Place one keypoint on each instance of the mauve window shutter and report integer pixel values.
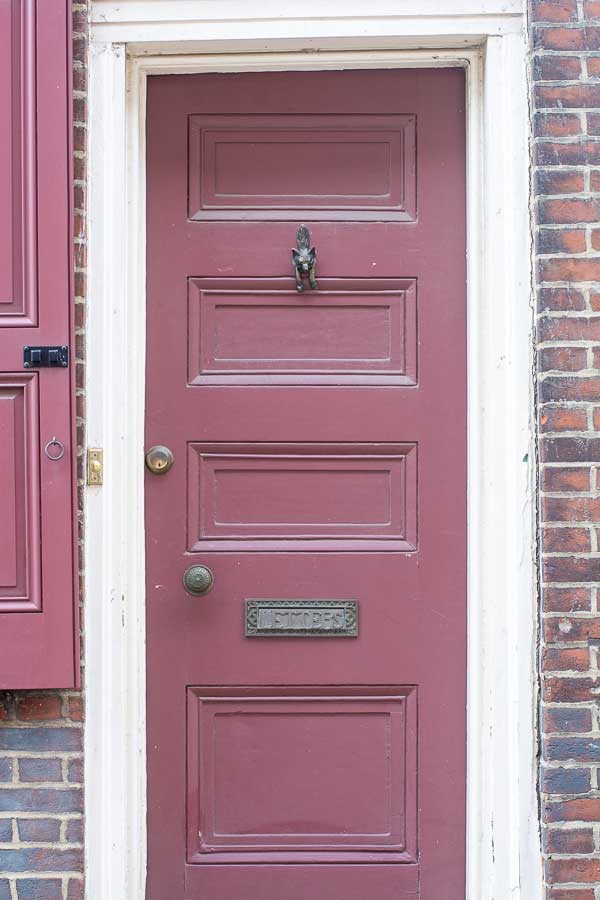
(38, 609)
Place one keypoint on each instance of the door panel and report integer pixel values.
(319, 440)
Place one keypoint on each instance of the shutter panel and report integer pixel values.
(38, 613)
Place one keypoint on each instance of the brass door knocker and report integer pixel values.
(304, 259)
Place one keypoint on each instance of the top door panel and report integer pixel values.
(281, 166)
(18, 212)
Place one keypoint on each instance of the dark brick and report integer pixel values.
(571, 690)
(569, 840)
(554, 10)
(581, 809)
(4, 889)
(556, 68)
(566, 781)
(42, 889)
(579, 153)
(39, 738)
(565, 659)
(75, 771)
(561, 599)
(75, 889)
(560, 418)
(571, 569)
(586, 38)
(39, 830)
(6, 768)
(41, 800)
(6, 830)
(565, 870)
(560, 299)
(74, 830)
(570, 449)
(41, 860)
(39, 707)
(579, 749)
(31, 769)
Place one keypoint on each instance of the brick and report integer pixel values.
(6, 830)
(566, 781)
(74, 830)
(595, 181)
(6, 769)
(570, 449)
(582, 389)
(75, 889)
(591, 9)
(42, 707)
(41, 800)
(560, 299)
(75, 771)
(557, 124)
(571, 479)
(567, 540)
(571, 328)
(557, 418)
(561, 599)
(42, 889)
(558, 181)
(569, 210)
(39, 830)
(570, 269)
(37, 738)
(554, 10)
(5, 893)
(570, 894)
(572, 690)
(578, 509)
(556, 68)
(587, 38)
(566, 568)
(567, 95)
(572, 630)
(32, 860)
(40, 769)
(565, 658)
(566, 870)
(579, 153)
(580, 809)
(569, 359)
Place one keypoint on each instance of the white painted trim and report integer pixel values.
(503, 842)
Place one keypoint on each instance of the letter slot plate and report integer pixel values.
(301, 618)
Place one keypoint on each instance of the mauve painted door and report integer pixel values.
(38, 622)
(320, 453)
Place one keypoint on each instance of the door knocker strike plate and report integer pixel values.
(304, 259)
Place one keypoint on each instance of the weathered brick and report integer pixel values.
(42, 889)
(567, 95)
(41, 799)
(565, 359)
(31, 769)
(561, 480)
(6, 829)
(565, 658)
(5, 893)
(577, 153)
(580, 809)
(565, 870)
(571, 569)
(74, 830)
(557, 124)
(571, 690)
(579, 389)
(567, 599)
(570, 894)
(567, 509)
(560, 418)
(556, 68)
(554, 11)
(33, 860)
(569, 268)
(570, 449)
(6, 768)
(586, 38)
(580, 628)
(75, 889)
(566, 781)
(39, 830)
(569, 210)
(39, 707)
(75, 771)
(39, 738)
(561, 299)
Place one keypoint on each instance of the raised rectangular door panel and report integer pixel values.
(264, 332)
(38, 613)
(307, 712)
(261, 167)
(276, 773)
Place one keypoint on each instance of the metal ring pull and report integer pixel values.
(54, 443)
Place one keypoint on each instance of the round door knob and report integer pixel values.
(159, 459)
(198, 580)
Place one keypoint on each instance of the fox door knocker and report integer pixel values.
(304, 259)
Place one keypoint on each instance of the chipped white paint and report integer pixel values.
(134, 38)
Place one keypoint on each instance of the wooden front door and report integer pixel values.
(306, 715)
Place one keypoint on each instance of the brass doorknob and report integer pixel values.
(159, 459)
(198, 580)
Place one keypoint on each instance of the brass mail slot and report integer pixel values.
(301, 618)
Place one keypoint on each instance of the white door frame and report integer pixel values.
(132, 39)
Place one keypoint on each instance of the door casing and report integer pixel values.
(503, 834)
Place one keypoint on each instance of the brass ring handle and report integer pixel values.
(198, 580)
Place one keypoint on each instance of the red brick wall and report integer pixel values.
(41, 734)
(565, 37)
